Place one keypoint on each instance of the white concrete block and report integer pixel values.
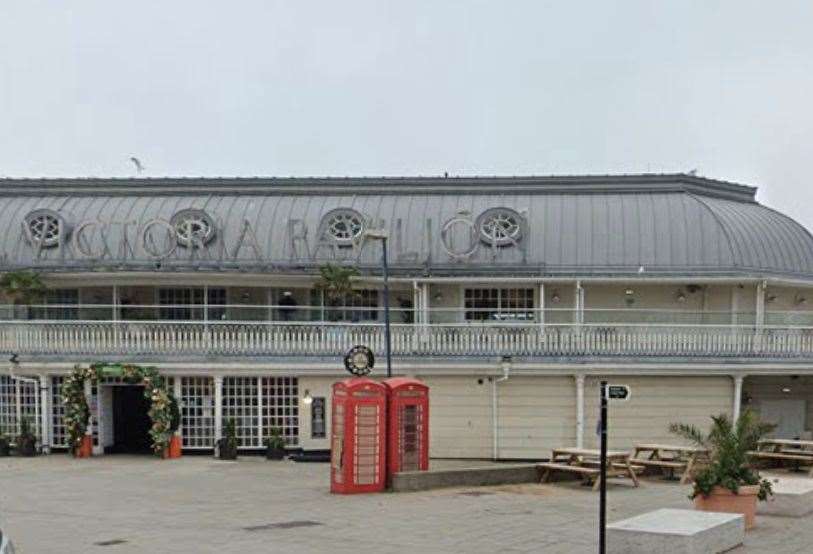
(671, 531)
(793, 497)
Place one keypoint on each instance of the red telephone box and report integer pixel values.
(358, 437)
(408, 427)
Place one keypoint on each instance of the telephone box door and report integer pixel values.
(358, 437)
(408, 425)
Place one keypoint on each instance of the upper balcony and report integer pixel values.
(193, 332)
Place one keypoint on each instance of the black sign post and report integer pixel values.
(602, 506)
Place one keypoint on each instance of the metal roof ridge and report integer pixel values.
(589, 183)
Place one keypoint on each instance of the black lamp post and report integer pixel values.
(380, 234)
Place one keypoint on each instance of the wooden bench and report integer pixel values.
(797, 459)
(588, 474)
(662, 464)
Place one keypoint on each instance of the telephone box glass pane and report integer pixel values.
(366, 448)
(410, 437)
(337, 448)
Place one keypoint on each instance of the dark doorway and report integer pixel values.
(131, 421)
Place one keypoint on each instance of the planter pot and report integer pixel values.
(26, 447)
(226, 451)
(5, 448)
(274, 453)
(723, 500)
(173, 450)
(85, 449)
(175, 446)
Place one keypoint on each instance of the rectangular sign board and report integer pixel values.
(618, 392)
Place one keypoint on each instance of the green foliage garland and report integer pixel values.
(163, 407)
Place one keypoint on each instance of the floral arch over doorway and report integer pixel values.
(164, 412)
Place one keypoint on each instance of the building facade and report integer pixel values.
(512, 297)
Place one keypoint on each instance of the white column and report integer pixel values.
(425, 302)
(541, 304)
(176, 392)
(261, 430)
(115, 303)
(218, 407)
(737, 395)
(45, 412)
(579, 411)
(760, 305)
(579, 315)
(735, 304)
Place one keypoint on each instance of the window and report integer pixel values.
(43, 228)
(59, 433)
(188, 304)
(63, 300)
(499, 304)
(241, 404)
(500, 226)
(18, 400)
(197, 412)
(343, 226)
(360, 306)
(281, 407)
(193, 227)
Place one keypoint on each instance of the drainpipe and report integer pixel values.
(506, 369)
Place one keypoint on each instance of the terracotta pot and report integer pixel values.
(723, 500)
(85, 449)
(173, 450)
(175, 446)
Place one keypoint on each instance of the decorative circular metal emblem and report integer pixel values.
(193, 226)
(343, 226)
(43, 227)
(500, 226)
(359, 360)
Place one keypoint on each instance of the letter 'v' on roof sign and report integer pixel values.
(618, 392)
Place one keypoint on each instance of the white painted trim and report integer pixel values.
(579, 410)
(218, 382)
(738, 379)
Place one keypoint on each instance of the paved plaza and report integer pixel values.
(123, 504)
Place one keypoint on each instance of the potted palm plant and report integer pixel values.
(728, 483)
(275, 445)
(26, 440)
(227, 446)
(336, 284)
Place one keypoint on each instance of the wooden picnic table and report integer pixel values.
(586, 463)
(669, 457)
(782, 450)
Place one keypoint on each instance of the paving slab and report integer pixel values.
(196, 504)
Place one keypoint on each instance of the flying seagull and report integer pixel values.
(138, 165)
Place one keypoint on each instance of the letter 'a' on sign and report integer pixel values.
(618, 392)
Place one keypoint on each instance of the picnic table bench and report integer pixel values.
(585, 463)
(785, 450)
(669, 458)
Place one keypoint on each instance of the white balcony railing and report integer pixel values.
(258, 339)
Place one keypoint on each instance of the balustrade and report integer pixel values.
(178, 339)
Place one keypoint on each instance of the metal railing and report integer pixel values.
(268, 339)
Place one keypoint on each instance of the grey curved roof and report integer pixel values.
(591, 225)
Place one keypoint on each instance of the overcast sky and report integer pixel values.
(411, 88)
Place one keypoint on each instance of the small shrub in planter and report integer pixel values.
(5, 444)
(729, 483)
(26, 441)
(227, 446)
(275, 445)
